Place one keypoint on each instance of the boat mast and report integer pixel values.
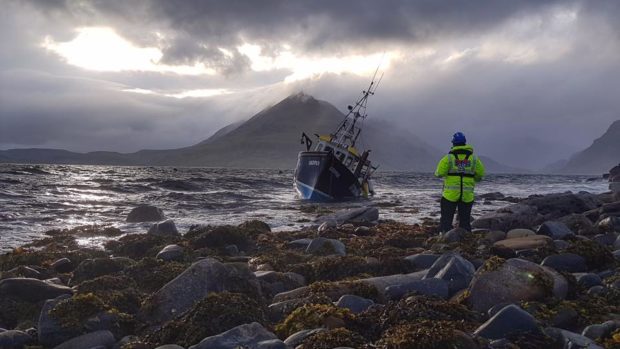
(347, 133)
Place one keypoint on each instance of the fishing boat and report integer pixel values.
(335, 170)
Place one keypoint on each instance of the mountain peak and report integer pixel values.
(300, 97)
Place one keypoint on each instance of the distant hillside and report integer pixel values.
(269, 139)
(603, 154)
(492, 166)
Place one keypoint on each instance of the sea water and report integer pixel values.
(36, 198)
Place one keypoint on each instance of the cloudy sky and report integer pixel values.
(528, 81)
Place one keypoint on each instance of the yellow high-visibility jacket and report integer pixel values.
(461, 170)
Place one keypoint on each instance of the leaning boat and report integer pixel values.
(335, 170)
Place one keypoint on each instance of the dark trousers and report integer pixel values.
(447, 214)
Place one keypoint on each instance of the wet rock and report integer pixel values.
(616, 254)
(509, 217)
(298, 338)
(555, 229)
(170, 346)
(362, 215)
(603, 330)
(426, 287)
(553, 206)
(578, 223)
(565, 318)
(587, 280)
(362, 231)
(509, 320)
(255, 226)
(492, 196)
(454, 269)
(324, 246)
(63, 265)
(605, 239)
(454, 235)
(104, 339)
(512, 281)
(145, 213)
(422, 260)
(571, 340)
(355, 304)
(561, 245)
(13, 339)
(171, 253)
(381, 283)
(231, 250)
(195, 283)
(31, 290)
(508, 248)
(596, 290)
(617, 243)
(608, 225)
(519, 233)
(273, 282)
(325, 226)
(166, 228)
(569, 262)
(21, 271)
(249, 336)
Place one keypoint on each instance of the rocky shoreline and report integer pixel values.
(543, 272)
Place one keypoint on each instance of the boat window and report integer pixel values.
(348, 161)
(328, 148)
(319, 147)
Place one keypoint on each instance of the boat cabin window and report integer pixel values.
(328, 148)
(348, 161)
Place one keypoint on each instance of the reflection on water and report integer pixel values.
(36, 198)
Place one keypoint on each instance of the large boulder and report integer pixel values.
(324, 246)
(455, 270)
(355, 304)
(422, 260)
(554, 206)
(361, 215)
(570, 340)
(50, 331)
(425, 287)
(381, 283)
(166, 228)
(508, 320)
(569, 262)
(145, 213)
(248, 336)
(512, 281)
(92, 268)
(509, 217)
(578, 223)
(14, 339)
(196, 282)
(31, 290)
(171, 253)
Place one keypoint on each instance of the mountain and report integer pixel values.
(269, 139)
(603, 154)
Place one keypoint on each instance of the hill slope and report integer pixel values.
(603, 154)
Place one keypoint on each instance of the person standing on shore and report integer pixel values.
(461, 170)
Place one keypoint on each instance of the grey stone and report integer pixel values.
(13, 339)
(272, 344)
(90, 340)
(298, 338)
(587, 280)
(556, 230)
(362, 231)
(596, 290)
(569, 262)
(519, 233)
(494, 236)
(145, 213)
(508, 320)
(196, 282)
(561, 244)
(608, 225)
(422, 260)
(92, 268)
(166, 228)
(509, 217)
(454, 269)
(616, 254)
(232, 250)
(605, 239)
(508, 248)
(171, 253)
(170, 346)
(603, 330)
(325, 226)
(332, 246)
(579, 224)
(427, 287)
(31, 290)
(63, 265)
(617, 243)
(553, 206)
(454, 235)
(355, 304)
(571, 340)
(514, 281)
(381, 283)
(248, 336)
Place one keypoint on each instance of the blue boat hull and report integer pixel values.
(319, 176)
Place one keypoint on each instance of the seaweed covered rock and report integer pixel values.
(313, 316)
(119, 292)
(152, 274)
(595, 255)
(195, 283)
(355, 304)
(217, 313)
(92, 268)
(220, 237)
(426, 334)
(509, 217)
(138, 246)
(31, 290)
(166, 228)
(513, 281)
(338, 337)
(323, 246)
(248, 336)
